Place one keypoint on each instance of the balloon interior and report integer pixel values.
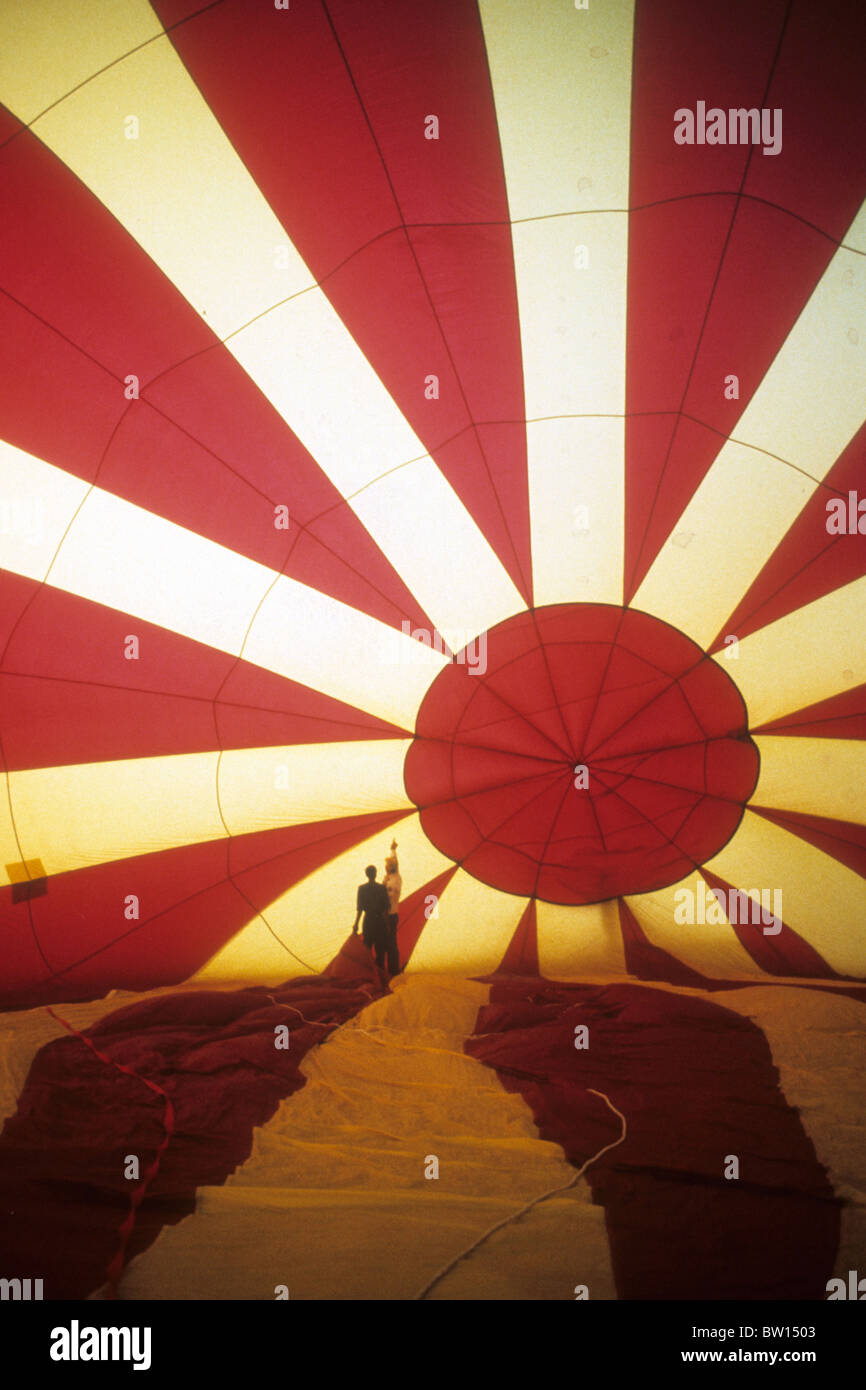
(432, 442)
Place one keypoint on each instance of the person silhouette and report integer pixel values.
(393, 884)
(374, 903)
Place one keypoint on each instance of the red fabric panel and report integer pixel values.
(318, 167)
(771, 265)
(74, 941)
(824, 52)
(25, 968)
(239, 460)
(716, 282)
(404, 57)
(659, 728)
(842, 839)
(83, 306)
(521, 957)
(680, 59)
(842, 716)
(72, 264)
(674, 250)
(784, 953)
(809, 562)
(213, 1056)
(70, 696)
(378, 292)
(648, 962)
(415, 911)
(172, 12)
(692, 1079)
(351, 959)
(479, 465)
(673, 462)
(10, 126)
(138, 1192)
(648, 437)
(441, 301)
(469, 274)
(86, 400)
(675, 246)
(55, 722)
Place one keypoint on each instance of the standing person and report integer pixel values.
(394, 886)
(373, 901)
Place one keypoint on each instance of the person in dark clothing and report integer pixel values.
(374, 903)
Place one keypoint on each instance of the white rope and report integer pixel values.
(312, 1022)
(446, 1269)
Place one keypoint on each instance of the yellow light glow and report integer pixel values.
(555, 73)
(143, 805)
(127, 558)
(179, 189)
(710, 948)
(183, 193)
(47, 49)
(822, 900)
(562, 88)
(818, 776)
(470, 931)
(37, 504)
(579, 940)
(816, 651)
(315, 916)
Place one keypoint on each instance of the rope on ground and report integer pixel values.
(312, 1022)
(515, 1216)
(390, 1041)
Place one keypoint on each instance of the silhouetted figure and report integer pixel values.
(393, 887)
(373, 901)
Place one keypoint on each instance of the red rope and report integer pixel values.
(115, 1268)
